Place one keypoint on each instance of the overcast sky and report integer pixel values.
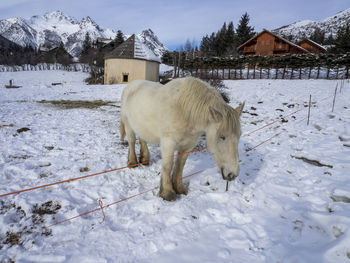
(176, 21)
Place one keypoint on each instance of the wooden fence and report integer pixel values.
(311, 66)
(265, 73)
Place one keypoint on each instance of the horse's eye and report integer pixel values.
(222, 137)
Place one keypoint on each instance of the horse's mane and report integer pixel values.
(196, 97)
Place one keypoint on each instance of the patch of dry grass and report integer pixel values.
(74, 104)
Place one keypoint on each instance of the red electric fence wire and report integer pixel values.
(117, 202)
(129, 166)
(89, 175)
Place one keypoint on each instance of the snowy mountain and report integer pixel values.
(52, 28)
(152, 42)
(305, 28)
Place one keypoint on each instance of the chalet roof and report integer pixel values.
(58, 49)
(275, 35)
(313, 43)
(133, 48)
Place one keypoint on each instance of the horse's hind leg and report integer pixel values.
(144, 153)
(132, 160)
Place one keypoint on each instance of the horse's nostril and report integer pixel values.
(230, 175)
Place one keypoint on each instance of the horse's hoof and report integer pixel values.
(132, 164)
(168, 196)
(180, 189)
(144, 162)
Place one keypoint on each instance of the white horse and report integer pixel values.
(175, 115)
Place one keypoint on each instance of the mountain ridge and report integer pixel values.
(53, 27)
(305, 28)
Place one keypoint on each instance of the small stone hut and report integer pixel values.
(130, 61)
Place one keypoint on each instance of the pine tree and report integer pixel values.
(205, 45)
(2, 48)
(86, 44)
(329, 40)
(221, 40)
(244, 31)
(342, 41)
(61, 46)
(213, 44)
(119, 39)
(318, 36)
(230, 40)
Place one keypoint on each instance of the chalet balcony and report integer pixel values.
(248, 50)
(281, 49)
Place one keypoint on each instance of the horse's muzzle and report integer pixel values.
(228, 177)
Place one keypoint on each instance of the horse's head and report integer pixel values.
(222, 136)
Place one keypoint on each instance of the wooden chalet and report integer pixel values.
(267, 43)
(56, 55)
(100, 42)
(312, 46)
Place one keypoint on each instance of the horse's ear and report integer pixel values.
(215, 115)
(239, 109)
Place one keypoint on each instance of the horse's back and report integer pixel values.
(138, 85)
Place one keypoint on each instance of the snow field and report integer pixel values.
(280, 209)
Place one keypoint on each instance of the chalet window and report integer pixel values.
(280, 44)
(125, 77)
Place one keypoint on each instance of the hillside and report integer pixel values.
(329, 25)
(4, 42)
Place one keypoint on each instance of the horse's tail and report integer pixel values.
(122, 130)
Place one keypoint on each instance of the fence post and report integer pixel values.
(336, 76)
(284, 71)
(254, 71)
(260, 72)
(309, 72)
(248, 71)
(327, 77)
(308, 115)
(335, 93)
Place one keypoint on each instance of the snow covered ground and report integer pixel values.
(280, 208)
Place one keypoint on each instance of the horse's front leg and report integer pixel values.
(132, 160)
(166, 187)
(178, 170)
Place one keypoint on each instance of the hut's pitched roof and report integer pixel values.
(133, 48)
